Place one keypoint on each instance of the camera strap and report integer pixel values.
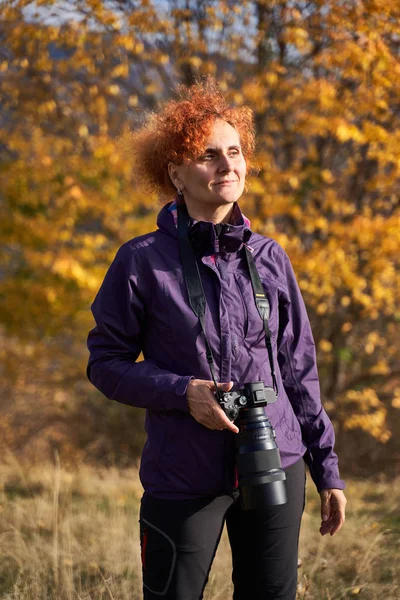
(262, 304)
(197, 297)
(194, 286)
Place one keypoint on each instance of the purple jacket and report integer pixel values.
(142, 305)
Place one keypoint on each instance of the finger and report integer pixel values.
(337, 528)
(323, 530)
(326, 528)
(333, 525)
(325, 506)
(227, 424)
(338, 523)
(338, 505)
(223, 421)
(224, 387)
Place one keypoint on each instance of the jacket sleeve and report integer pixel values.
(298, 367)
(115, 343)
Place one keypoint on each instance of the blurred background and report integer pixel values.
(323, 78)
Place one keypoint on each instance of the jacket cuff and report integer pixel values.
(180, 393)
(330, 483)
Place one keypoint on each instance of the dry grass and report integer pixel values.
(74, 536)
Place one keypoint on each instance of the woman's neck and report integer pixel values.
(219, 214)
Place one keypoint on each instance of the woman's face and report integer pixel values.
(217, 177)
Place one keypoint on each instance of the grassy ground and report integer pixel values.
(74, 536)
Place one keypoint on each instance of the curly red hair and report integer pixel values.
(178, 133)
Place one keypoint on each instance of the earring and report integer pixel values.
(180, 193)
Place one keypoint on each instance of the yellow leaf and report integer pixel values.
(138, 47)
(75, 192)
(195, 61)
(83, 131)
(120, 71)
(345, 301)
(325, 345)
(151, 89)
(114, 89)
(380, 368)
(327, 176)
(271, 78)
(396, 398)
(347, 132)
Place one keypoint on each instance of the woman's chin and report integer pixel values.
(228, 196)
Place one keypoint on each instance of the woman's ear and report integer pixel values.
(173, 172)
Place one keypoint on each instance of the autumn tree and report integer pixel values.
(323, 80)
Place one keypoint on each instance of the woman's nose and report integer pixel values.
(225, 163)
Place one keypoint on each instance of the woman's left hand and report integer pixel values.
(333, 503)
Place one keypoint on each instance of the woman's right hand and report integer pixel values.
(204, 407)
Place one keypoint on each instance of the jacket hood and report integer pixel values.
(206, 237)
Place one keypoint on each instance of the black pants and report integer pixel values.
(179, 539)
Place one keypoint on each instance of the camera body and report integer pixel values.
(250, 396)
(262, 481)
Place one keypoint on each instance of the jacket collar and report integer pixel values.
(206, 237)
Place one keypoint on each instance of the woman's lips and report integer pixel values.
(227, 182)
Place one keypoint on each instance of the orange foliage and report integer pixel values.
(324, 83)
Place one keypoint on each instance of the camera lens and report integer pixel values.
(262, 481)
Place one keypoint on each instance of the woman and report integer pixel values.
(200, 148)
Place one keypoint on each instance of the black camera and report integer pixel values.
(262, 481)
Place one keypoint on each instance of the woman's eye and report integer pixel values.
(210, 156)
